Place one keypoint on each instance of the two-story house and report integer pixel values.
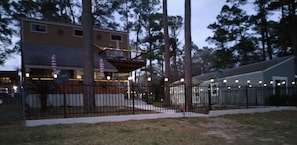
(43, 41)
(50, 48)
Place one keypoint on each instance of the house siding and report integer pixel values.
(285, 69)
(63, 35)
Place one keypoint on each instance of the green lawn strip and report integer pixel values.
(270, 128)
(246, 129)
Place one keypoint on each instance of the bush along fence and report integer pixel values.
(45, 99)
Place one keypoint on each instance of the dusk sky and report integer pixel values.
(204, 12)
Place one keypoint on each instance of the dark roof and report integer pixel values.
(39, 56)
(254, 67)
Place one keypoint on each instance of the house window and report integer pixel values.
(78, 33)
(39, 28)
(114, 37)
(5, 80)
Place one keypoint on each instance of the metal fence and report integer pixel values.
(47, 100)
(11, 108)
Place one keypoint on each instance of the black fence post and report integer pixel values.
(185, 107)
(65, 103)
(247, 96)
(209, 97)
(256, 96)
(23, 101)
(133, 96)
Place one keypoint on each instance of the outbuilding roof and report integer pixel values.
(39, 56)
(249, 68)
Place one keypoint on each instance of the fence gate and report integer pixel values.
(10, 106)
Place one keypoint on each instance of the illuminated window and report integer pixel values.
(5, 80)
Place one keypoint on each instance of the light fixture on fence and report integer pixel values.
(260, 82)
(229, 87)
(250, 86)
(278, 84)
(149, 79)
(293, 83)
(236, 81)
(271, 82)
(239, 87)
(284, 82)
(248, 81)
(265, 85)
(224, 81)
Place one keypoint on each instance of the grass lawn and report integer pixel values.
(274, 128)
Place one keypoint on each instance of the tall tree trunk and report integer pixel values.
(293, 24)
(188, 56)
(89, 100)
(166, 53)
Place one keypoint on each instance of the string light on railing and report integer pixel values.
(248, 81)
(182, 79)
(224, 81)
(284, 82)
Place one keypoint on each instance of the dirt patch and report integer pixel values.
(224, 128)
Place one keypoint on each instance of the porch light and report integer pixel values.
(182, 79)
(78, 76)
(27, 74)
(108, 77)
(15, 88)
(149, 79)
(55, 76)
(166, 79)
